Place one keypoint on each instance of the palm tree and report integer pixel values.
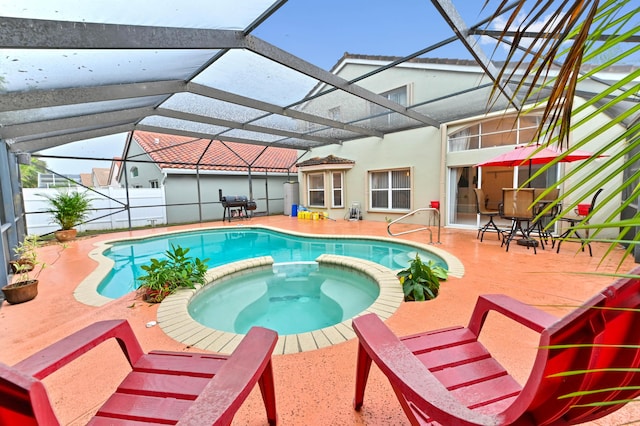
(577, 40)
(575, 34)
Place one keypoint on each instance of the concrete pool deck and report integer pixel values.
(314, 387)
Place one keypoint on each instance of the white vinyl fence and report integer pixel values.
(104, 202)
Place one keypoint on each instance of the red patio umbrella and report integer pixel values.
(523, 155)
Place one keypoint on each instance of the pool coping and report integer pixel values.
(87, 291)
(175, 320)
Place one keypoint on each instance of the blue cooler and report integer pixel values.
(294, 210)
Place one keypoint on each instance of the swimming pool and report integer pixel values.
(289, 298)
(230, 244)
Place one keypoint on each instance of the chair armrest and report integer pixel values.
(522, 313)
(410, 377)
(59, 354)
(225, 393)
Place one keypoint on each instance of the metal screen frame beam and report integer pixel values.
(32, 99)
(25, 33)
(460, 28)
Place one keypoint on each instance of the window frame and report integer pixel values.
(382, 117)
(334, 189)
(390, 189)
(512, 129)
(314, 190)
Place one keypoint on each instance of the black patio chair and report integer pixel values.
(572, 222)
(516, 205)
(483, 211)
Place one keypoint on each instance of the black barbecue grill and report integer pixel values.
(235, 206)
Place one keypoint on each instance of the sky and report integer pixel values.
(320, 32)
(104, 147)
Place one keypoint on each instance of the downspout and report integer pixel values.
(198, 179)
(199, 193)
(250, 182)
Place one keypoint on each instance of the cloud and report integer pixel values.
(500, 24)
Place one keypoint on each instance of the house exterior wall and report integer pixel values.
(426, 83)
(183, 189)
(424, 150)
(596, 123)
(417, 149)
(147, 172)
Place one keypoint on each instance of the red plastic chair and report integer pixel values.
(162, 388)
(448, 377)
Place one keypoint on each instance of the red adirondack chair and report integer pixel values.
(448, 377)
(163, 387)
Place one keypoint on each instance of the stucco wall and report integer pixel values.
(184, 189)
(146, 171)
(417, 149)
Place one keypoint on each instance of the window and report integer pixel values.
(495, 132)
(382, 117)
(315, 183)
(390, 190)
(134, 171)
(335, 114)
(336, 189)
(154, 183)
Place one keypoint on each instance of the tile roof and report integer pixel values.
(101, 175)
(86, 179)
(179, 152)
(330, 159)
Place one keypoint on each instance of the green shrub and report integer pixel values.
(69, 208)
(164, 276)
(421, 281)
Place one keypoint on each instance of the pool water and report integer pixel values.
(289, 298)
(226, 245)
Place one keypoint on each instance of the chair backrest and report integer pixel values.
(551, 196)
(601, 335)
(516, 202)
(595, 197)
(480, 199)
(23, 400)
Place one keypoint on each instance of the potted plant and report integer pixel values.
(421, 281)
(26, 256)
(163, 277)
(68, 208)
(24, 286)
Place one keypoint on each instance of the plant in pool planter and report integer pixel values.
(421, 281)
(68, 208)
(26, 270)
(163, 277)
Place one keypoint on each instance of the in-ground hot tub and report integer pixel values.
(289, 298)
(238, 304)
